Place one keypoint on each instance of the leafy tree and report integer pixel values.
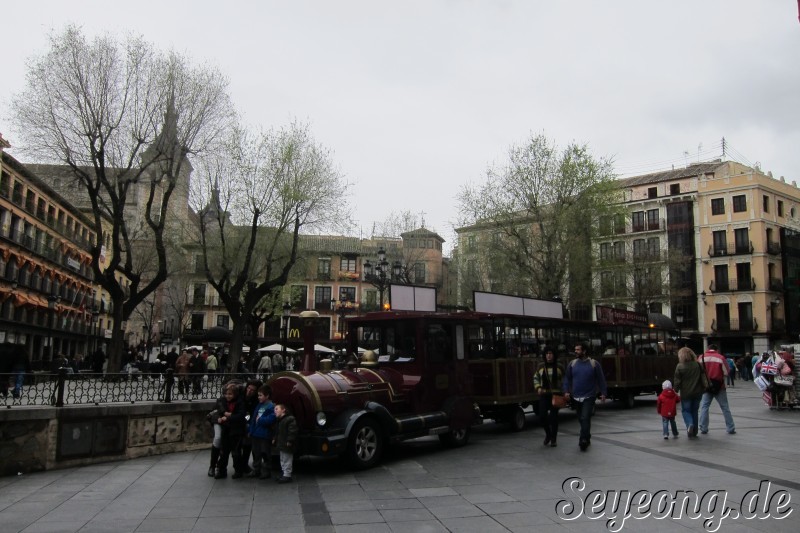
(126, 119)
(255, 199)
(540, 211)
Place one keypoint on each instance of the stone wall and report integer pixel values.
(44, 438)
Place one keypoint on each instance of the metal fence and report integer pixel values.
(63, 388)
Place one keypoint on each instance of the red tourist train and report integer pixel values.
(427, 373)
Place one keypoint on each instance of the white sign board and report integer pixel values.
(487, 302)
(409, 298)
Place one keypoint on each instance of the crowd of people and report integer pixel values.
(698, 381)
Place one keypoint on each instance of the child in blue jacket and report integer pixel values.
(260, 431)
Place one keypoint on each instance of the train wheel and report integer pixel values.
(455, 438)
(365, 446)
(629, 400)
(517, 418)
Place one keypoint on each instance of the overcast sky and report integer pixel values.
(418, 98)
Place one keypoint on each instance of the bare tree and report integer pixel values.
(541, 210)
(125, 119)
(254, 202)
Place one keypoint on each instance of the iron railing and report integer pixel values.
(63, 388)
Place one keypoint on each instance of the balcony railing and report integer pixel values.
(647, 225)
(773, 248)
(733, 284)
(776, 285)
(730, 248)
(734, 325)
(722, 285)
(648, 255)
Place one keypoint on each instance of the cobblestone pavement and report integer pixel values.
(501, 481)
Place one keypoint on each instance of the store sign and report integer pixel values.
(73, 263)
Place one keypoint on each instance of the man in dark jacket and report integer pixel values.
(197, 367)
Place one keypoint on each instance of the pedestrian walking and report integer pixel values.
(716, 368)
(667, 407)
(583, 382)
(548, 382)
(688, 381)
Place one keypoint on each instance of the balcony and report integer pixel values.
(346, 275)
(649, 256)
(730, 248)
(722, 285)
(776, 285)
(323, 276)
(773, 248)
(648, 225)
(734, 325)
(733, 284)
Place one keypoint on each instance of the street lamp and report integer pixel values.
(378, 275)
(287, 310)
(679, 320)
(342, 307)
(52, 303)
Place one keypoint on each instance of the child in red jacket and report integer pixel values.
(667, 407)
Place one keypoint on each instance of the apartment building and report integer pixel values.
(710, 246)
(48, 301)
(332, 277)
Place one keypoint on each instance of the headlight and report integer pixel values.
(321, 419)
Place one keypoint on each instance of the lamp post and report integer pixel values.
(379, 274)
(286, 312)
(679, 320)
(52, 302)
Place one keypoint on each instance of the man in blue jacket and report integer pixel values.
(583, 382)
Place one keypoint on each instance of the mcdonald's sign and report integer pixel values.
(294, 333)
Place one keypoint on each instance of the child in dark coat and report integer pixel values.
(233, 422)
(285, 441)
(667, 407)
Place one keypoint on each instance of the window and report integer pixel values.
(652, 192)
(605, 251)
(653, 247)
(743, 277)
(675, 188)
(637, 220)
(322, 298)
(720, 242)
(419, 273)
(324, 266)
(766, 203)
(619, 251)
(199, 297)
(721, 277)
(739, 203)
(347, 294)
(780, 208)
(370, 302)
(717, 206)
(742, 238)
(223, 321)
(471, 243)
(652, 219)
(639, 248)
(746, 322)
(298, 298)
(619, 223)
(348, 264)
(198, 321)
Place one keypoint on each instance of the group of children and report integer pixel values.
(246, 421)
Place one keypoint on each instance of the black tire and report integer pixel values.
(629, 400)
(455, 438)
(516, 418)
(365, 444)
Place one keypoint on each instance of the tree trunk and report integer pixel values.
(117, 347)
(237, 337)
